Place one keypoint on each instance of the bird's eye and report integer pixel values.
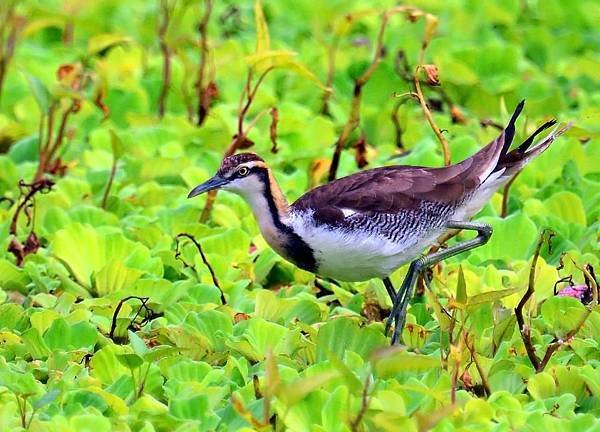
(243, 171)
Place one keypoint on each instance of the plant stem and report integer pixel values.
(111, 179)
(7, 49)
(354, 115)
(525, 331)
(505, 192)
(204, 260)
(429, 117)
(248, 94)
(354, 425)
(331, 54)
(484, 380)
(166, 56)
(203, 95)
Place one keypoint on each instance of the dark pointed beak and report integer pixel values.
(214, 183)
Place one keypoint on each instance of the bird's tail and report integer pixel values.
(512, 162)
(509, 163)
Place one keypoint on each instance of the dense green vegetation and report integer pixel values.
(111, 320)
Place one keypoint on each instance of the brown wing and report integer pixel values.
(396, 188)
(390, 190)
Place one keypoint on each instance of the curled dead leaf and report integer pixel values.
(273, 129)
(240, 316)
(360, 152)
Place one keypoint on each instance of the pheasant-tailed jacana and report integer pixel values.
(370, 223)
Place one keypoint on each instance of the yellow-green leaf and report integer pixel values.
(390, 361)
(263, 40)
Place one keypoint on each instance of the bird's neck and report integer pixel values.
(271, 210)
(272, 213)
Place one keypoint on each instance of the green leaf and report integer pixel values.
(137, 343)
(114, 276)
(504, 329)
(352, 381)
(62, 335)
(334, 409)
(443, 319)
(562, 314)
(12, 278)
(101, 249)
(567, 206)
(391, 361)
(461, 288)
(344, 334)
(40, 93)
(541, 386)
(13, 317)
(194, 408)
(160, 352)
(292, 393)
(130, 361)
(521, 231)
(46, 399)
(491, 296)
(35, 344)
(282, 60)
(118, 148)
(102, 42)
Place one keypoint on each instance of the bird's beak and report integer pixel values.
(214, 183)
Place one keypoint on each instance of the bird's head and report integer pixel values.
(243, 173)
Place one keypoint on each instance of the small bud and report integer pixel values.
(457, 115)
(431, 71)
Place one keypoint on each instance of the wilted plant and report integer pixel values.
(260, 64)
(12, 24)
(412, 14)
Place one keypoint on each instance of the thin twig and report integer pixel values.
(204, 260)
(354, 425)
(241, 137)
(523, 329)
(42, 186)
(538, 364)
(556, 344)
(331, 54)
(111, 178)
(7, 49)
(484, 381)
(113, 325)
(505, 192)
(204, 96)
(430, 120)
(397, 127)
(273, 129)
(166, 10)
(354, 114)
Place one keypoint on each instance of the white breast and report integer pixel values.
(354, 255)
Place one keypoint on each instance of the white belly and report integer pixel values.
(351, 256)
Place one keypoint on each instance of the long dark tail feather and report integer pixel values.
(513, 161)
(509, 131)
(527, 143)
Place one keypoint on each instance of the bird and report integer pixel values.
(372, 222)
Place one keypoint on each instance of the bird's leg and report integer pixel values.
(398, 314)
(392, 293)
(390, 288)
